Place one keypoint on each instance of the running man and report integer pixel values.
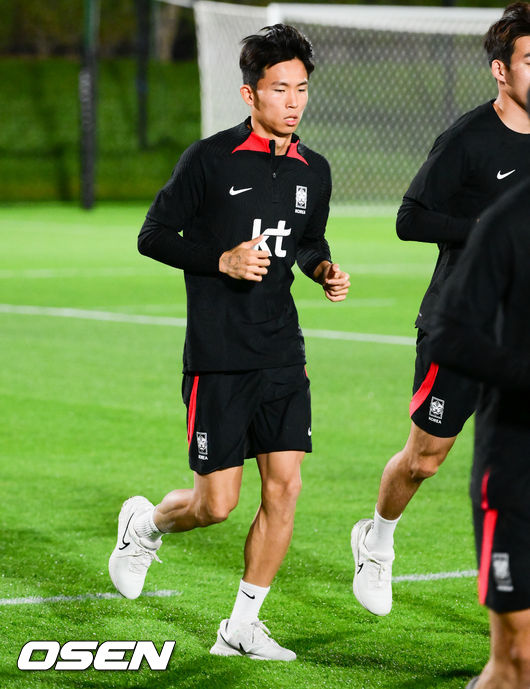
(492, 285)
(481, 156)
(250, 201)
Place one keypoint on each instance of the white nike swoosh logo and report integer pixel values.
(502, 175)
(235, 192)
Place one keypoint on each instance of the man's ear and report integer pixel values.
(499, 71)
(247, 94)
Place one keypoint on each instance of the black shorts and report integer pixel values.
(442, 400)
(502, 541)
(235, 416)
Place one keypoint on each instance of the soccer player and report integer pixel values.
(491, 284)
(250, 201)
(483, 154)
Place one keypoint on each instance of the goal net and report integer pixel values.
(387, 81)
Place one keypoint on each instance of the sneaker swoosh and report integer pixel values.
(360, 567)
(125, 543)
(502, 175)
(231, 645)
(235, 192)
(248, 594)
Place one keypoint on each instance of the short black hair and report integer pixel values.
(279, 43)
(500, 40)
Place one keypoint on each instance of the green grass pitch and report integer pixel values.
(92, 413)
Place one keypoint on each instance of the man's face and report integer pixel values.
(518, 75)
(280, 97)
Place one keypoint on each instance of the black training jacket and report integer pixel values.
(225, 190)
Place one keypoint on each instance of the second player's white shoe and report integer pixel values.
(132, 556)
(372, 580)
(251, 639)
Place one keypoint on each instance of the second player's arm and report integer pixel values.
(421, 216)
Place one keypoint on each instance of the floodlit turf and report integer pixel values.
(91, 413)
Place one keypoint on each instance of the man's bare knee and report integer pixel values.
(214, 511)
(280, 494)
(422, 467)
(424, 453)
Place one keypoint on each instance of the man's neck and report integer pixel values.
(282, 143)
(512, 114)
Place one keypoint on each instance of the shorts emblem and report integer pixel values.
(501, 571)
(436, 410)
(202, 445)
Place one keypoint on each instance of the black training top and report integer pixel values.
(492, 285)
(225, 190)
(470, 165)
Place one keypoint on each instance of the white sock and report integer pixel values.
(145, 527)
(249, 600)
(381, 538)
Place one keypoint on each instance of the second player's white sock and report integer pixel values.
(249, 600)
(145, 527)
(381, 538)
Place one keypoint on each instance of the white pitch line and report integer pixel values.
(35, 600)
(87, 314)
(115, 317)
(39, 600)
(435, 576)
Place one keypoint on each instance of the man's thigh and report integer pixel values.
(220, 409)
(282, 421)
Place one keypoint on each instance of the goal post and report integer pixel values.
(388, 80)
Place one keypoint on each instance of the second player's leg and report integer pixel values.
(373, 540)
(402, 476)
(272, 528)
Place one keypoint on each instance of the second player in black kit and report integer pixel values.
(475, 161)
(470, 165)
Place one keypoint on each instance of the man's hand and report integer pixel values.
(334, 281)
(243, 262)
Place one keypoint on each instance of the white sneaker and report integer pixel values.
(132, 555)
(372, 580)
(249, 639)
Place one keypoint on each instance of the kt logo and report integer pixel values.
(279, 232)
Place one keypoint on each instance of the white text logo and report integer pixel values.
(80, 655)
(279, 232)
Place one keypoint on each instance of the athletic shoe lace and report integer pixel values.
(262, 633)
(143, 557)
(380, 571)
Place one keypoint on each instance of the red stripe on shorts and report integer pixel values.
(192, 408)
(425, 388)
(488, 532)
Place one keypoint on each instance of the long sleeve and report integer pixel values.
(173, 209)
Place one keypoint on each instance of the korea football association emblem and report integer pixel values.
(301, 200)
(202, 445)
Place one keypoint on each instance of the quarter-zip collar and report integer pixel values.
(260, 144)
